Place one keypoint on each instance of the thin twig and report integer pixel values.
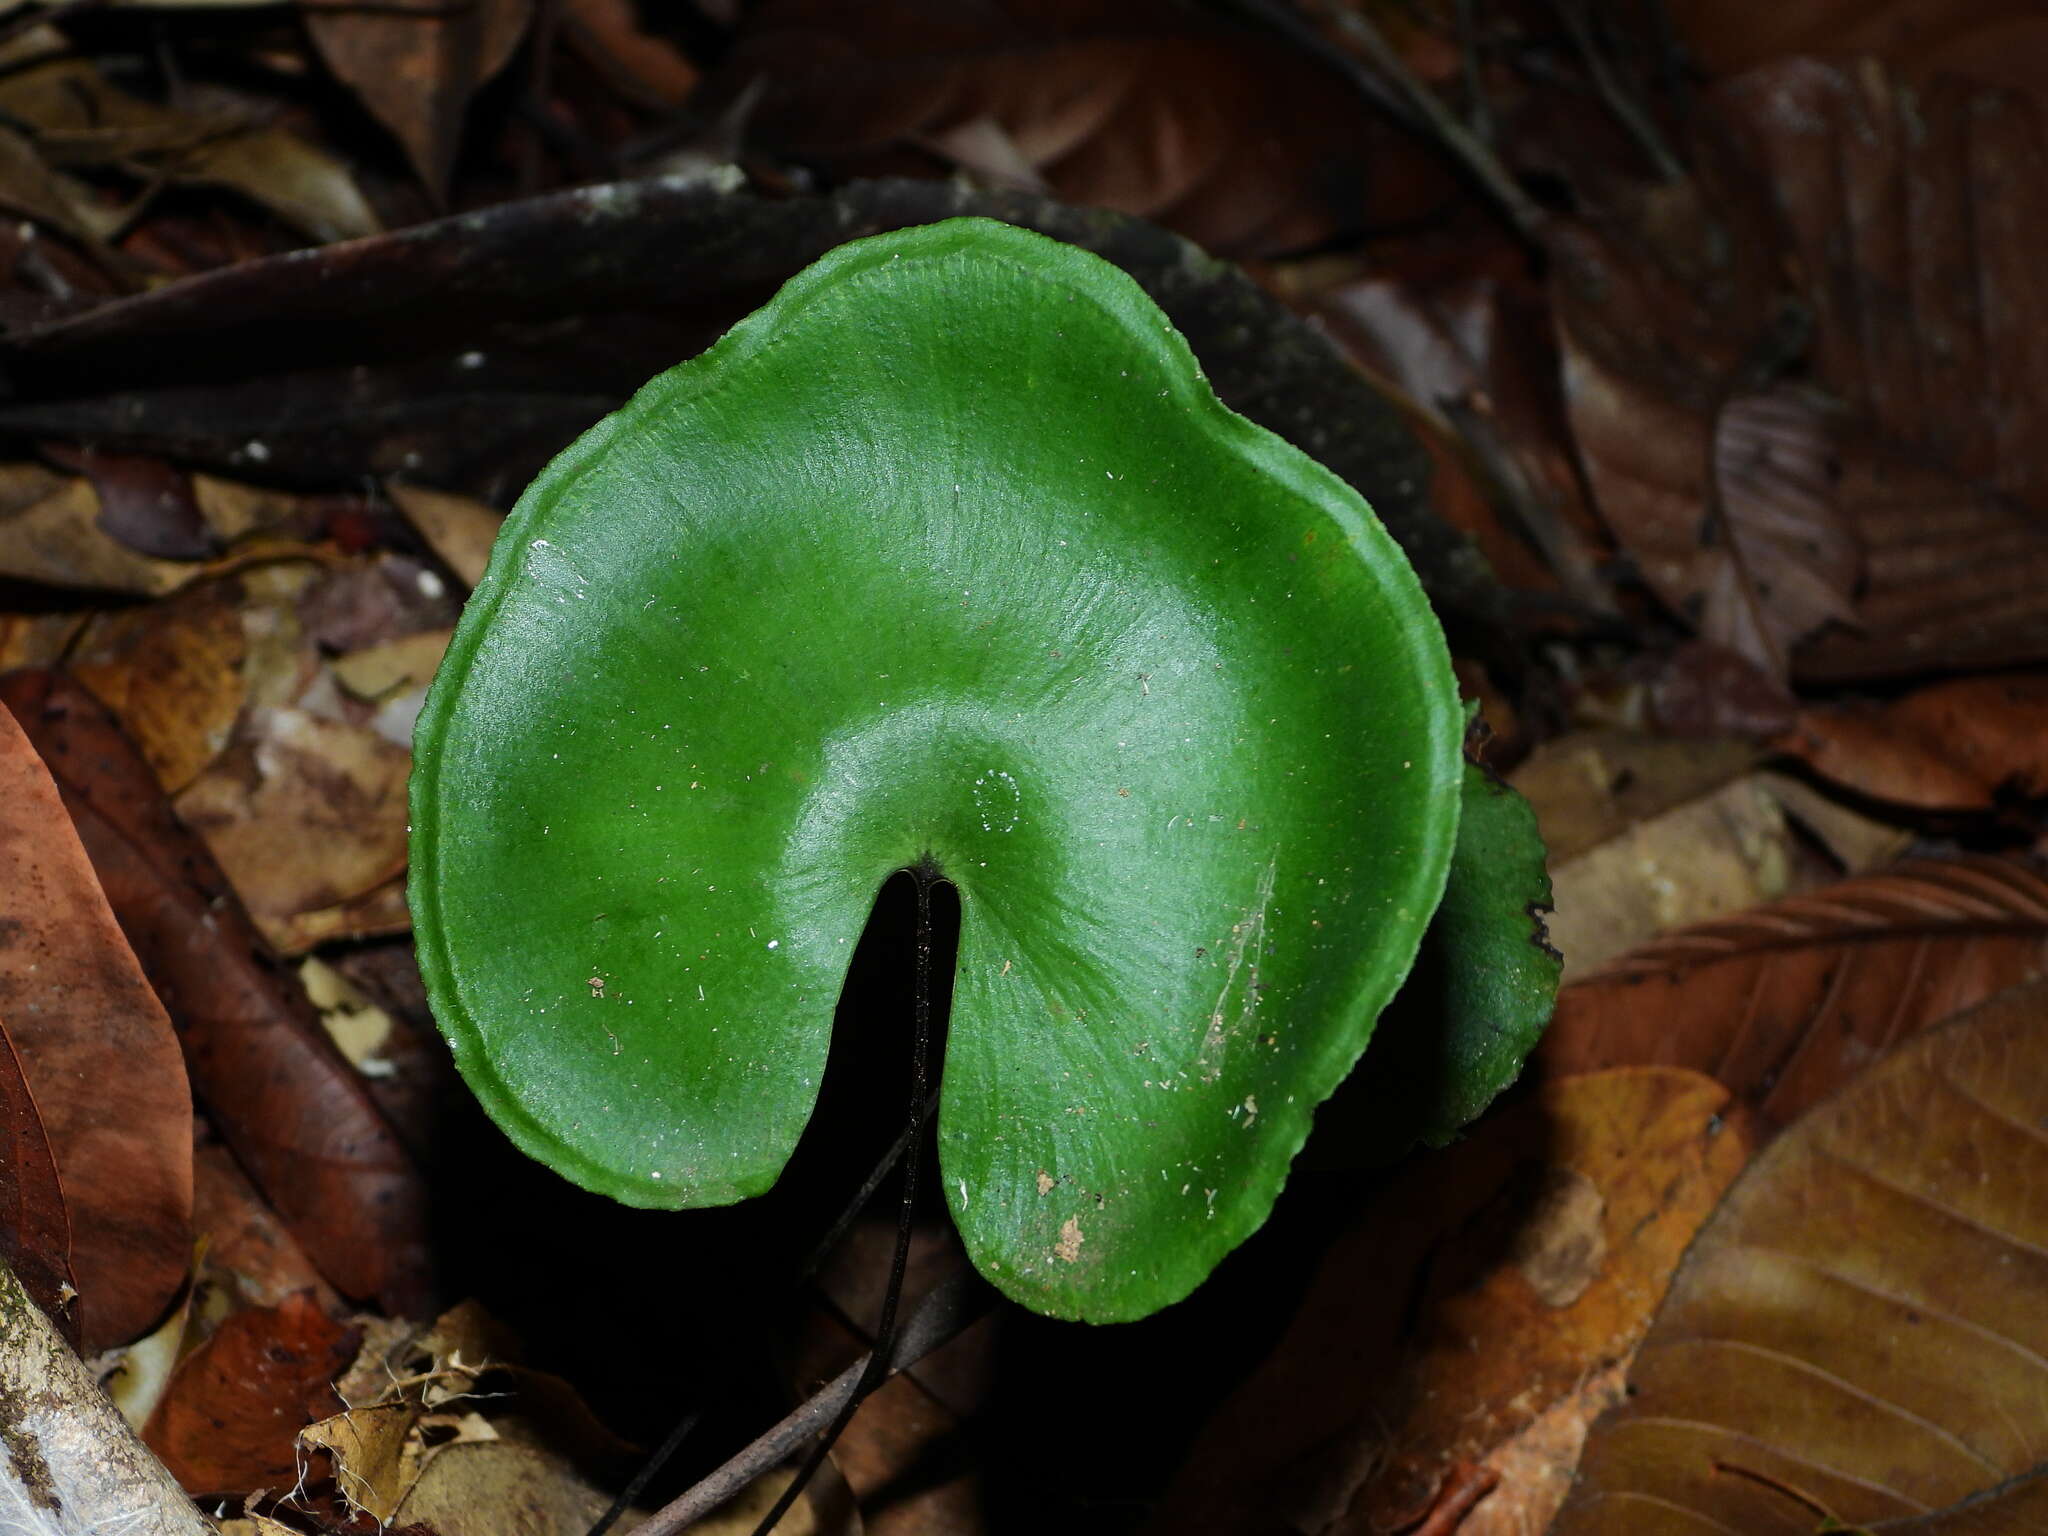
(925, 1104)
(1521, 210)
(877, 1370)
(1632, 117)
(1477, 106)
(947, 1311)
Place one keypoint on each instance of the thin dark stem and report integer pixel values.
(885, 1330)
(924, 1104)
(947, 1311)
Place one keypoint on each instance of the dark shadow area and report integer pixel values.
(652, 1313)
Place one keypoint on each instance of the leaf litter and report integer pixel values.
(1778, 403)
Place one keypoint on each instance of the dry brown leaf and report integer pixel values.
(1536, 1468)
(1961, 745)
(1786, 1003)
(1858, 842)
(172, 673)
(460, 529)
(1719, 854)
(372, 1467)
(50, 534)
(303, 813)
(378, 913)
(1489, 1283)
(297, 1117)
(2019, 1508)
(646, 69)
(1914, 216)
(415, 64)
(78, 119)
(1591, 786)
(400, 665)
(229, 1422)
(100, 1057)
(246, 1245)
(35, 1224)
(1857, 1335)
(38, 639)
(1718, 487)
(1224, 131)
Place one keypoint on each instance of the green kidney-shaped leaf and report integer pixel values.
(948, 551)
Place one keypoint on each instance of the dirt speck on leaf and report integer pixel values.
(1068, 1248)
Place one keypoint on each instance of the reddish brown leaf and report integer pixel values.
(1484, 1286)
(1185, 115)
(294, 1113)
(35, 1225)
(416, 63)
(99, 1055)
(1955, 746)
(1857, 1335)
(1787, 1002)
(229, 1420)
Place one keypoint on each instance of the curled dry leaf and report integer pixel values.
(1857, 1334)
(1786, 1003)
(1487, 1284)
(415, 64)
(1962, 745)
(229, 1421)
(296, 1117)
(1221, 130)
(99, 1055)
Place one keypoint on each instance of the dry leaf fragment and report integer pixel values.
(415, 64)
(1857, 1334)
(229, 1421)
(460, 529)
(1224, 131)
(98, 1053)
(1914, 214)
(1785, 1003)
(50, 533)
(1591, 786)
(35, 1223)
(247, 1247)
(1959, 745)
(404, 664)
(1720, 854)
(172, 672)
(303, 813)
(79, 119)
(1424, 1343)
